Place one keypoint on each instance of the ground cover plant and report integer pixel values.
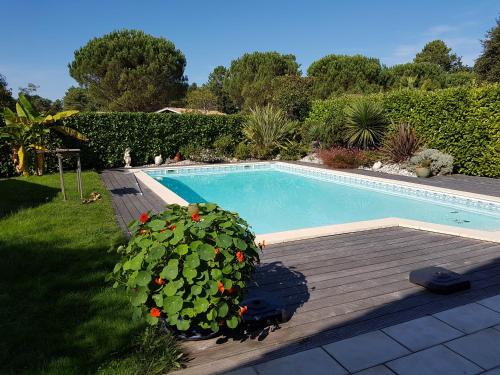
(57, 314)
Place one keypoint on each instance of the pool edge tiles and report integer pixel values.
(472, 201)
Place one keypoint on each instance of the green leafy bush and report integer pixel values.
(148, 134)
(188, 265)
(243, 151)
(293, 150)
(224, 146)
(401, 144)
(440, 163)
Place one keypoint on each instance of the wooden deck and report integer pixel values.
(334, 287)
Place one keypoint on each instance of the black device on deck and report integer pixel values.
(439, 280)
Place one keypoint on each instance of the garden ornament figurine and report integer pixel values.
(127, 158)
(158, 160)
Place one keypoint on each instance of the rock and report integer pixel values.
(377, 165)
(312, 158)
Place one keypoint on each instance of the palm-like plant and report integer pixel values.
(26, 130)
(266, 129)
(365, 124)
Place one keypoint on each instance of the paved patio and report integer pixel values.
(342, 286)
(463, 340)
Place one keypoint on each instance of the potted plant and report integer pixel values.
(423, 168)
(187, 267)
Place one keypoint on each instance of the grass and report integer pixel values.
(57, 314)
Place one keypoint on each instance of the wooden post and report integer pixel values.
(59, 158)
(79, 176)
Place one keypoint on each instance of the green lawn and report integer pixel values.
(57, 314)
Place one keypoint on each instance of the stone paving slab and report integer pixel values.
(422, 333)
(364, 351)
(377, 370)
(492, 303)
(469, 318)
(437, 360)
(314, 361)
(243, 371)
(495, 371)
(482, 347)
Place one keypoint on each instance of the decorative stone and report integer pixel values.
(127, 158)
(377, 165)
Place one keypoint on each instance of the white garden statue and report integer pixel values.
(158, 160)
(377, 165)
(126, 158)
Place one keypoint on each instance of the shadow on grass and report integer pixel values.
(27, 194)
(56, 312)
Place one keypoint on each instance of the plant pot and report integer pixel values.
(178, 157)
(194, 334)
(423, 172)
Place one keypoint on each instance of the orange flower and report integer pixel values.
(217, 251)
(240, 256)
(163, 231)
(220, 287)
(154, 312)
(195, 217)
(243, 309)
(144, 217)
(159, 281)
(142, 231)
(172, 227)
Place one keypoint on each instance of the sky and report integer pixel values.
(38, 37)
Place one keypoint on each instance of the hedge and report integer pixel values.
(461, 121)
(147, 134)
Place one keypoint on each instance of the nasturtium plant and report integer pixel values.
(189, 266)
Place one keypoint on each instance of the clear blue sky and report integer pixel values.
(38, 37)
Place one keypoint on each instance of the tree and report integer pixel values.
(215, 84)
(487, 66)
(334, 74)
(292, 95)
(41, 104)
(201, 98)
(427, 76)
(6, 99)
(129, 70)
(249, 78)
(78, 98)
(437, 52)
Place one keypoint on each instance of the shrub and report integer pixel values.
(341, 158)
(440, 163)
(401, 144)
(200, 154)
(326, 122)
(188, 265)
(243, 151)
(292, 150)
(365, 123)
(224, 146)
(146, 134)
(266, 129)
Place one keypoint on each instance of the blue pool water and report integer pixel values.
(273, 200)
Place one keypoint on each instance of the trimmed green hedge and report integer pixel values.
(461, 121)
(147, 134)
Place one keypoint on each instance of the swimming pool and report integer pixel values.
(276, 197)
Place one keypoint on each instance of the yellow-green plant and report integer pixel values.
(26, 129)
